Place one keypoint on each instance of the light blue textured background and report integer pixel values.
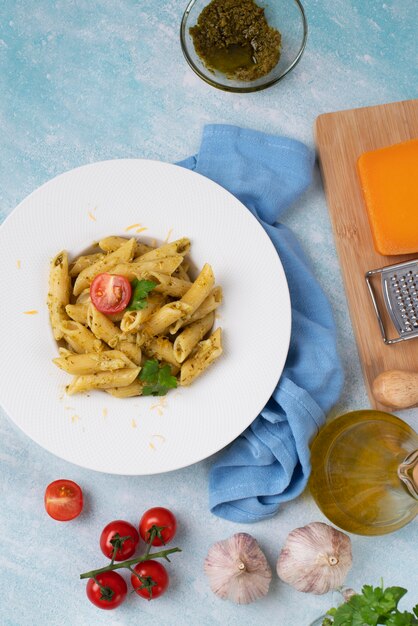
(82, 81)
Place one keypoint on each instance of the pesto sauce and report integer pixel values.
(233, 37)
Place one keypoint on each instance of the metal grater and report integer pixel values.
(399, 285)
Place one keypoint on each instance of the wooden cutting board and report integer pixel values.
(340, 139)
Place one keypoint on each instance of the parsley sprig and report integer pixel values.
(373, 606)
(158, 377)
(140, 290)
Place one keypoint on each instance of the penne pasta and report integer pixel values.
(132, 320)
(93, 362)
(102, 327)
(64, 351)
(79, 338)
(207, 352)
(165, 317)
(195, 295)
(181, 272)
(110, 329)
(209, 304)
(161, 348)
(200, 289)
(141, 269)
(110, 244)
(77, 312)
(103, 380)
(82, 262)
(58, 293)
(179, 247)
(84, 297)
(169, 285)
(187, 340)
(134, 389)
(121, 255)
(132, 350)
(115, 317)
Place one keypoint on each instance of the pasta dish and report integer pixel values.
(130, 320)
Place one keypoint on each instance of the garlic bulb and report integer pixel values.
(237, 569)
(315, 558)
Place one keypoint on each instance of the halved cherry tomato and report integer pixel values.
(118, 531)
(107, 591)
(63, 500)
(110, 293)
(155, 580)
(162, 519)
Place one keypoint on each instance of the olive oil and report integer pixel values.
(231, 58)
(365, 472)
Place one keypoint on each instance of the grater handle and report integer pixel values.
(385, 338)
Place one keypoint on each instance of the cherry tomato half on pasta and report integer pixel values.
(161, 518)
(150, 570)
(125, 537)
(110, 293)
(107, 591)
(63, 500)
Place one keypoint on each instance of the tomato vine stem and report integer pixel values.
(162, 554)
(154, 531)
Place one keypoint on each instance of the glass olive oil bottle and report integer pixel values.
(365, 472)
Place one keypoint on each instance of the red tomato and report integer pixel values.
(108, 592)
(115, 531)
(150, 570)
(110, 293)
(63, 500)
(163, 519)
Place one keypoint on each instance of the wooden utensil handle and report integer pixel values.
(396, 388)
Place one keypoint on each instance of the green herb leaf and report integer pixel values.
(372, 607)
(158, 376)
(165, 377)
(396, 593)
(149, 372)
(140, 290)
(400, 619)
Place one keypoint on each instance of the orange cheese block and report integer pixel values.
(389, 180)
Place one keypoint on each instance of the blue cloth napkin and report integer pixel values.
(270, 462)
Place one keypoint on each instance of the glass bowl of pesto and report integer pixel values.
(243, 45)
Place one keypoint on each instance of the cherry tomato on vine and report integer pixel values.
(107, 591)
(150, 570)
(121, 535)
(162, 519)
(110, 293)
(63, 500)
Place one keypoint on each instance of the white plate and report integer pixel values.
(140, 435)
